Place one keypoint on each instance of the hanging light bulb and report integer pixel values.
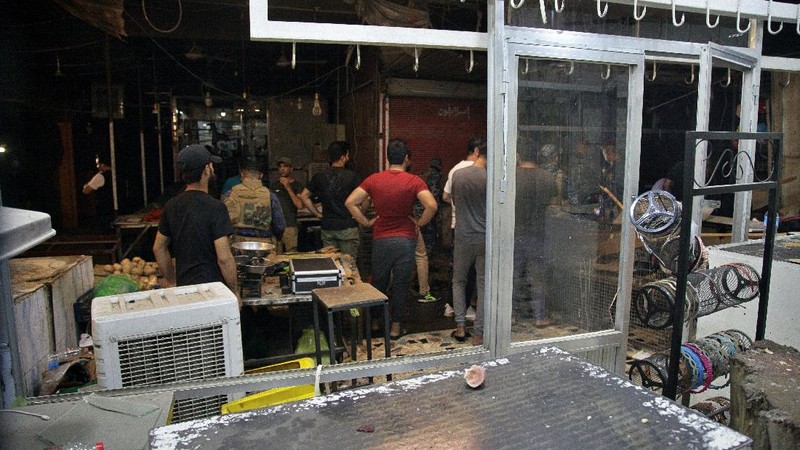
(317, 109)
(207, 100)
(299, 103)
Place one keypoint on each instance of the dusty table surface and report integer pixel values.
(546, 398)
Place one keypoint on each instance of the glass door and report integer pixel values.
(574, 127)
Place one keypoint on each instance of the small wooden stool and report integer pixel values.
(343, 298)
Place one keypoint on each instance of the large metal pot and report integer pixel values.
(252, 248)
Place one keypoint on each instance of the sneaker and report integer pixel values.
(448, 310)
(427, 298)
(470, 314)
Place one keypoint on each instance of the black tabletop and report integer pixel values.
(543, 399)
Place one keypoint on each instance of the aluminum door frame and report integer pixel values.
(502, 191)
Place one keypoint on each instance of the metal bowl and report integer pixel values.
(252, 248)
(254, 264)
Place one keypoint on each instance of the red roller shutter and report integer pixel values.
(436, 127)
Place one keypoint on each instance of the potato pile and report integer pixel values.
(146, 273)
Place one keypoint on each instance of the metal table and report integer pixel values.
(543, 399)
(134, 222)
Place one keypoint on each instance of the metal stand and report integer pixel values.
(691, 189)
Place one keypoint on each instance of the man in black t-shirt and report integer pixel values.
(333, 186)
(194, 228)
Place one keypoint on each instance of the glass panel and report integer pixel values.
(670, 109)
(571, 133)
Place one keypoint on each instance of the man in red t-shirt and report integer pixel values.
(394, 228)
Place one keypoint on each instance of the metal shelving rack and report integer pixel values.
(692, 189)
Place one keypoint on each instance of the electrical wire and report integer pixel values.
(177, 24)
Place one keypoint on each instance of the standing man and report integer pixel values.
(339, 229)
(433, 178)
(395, 229)
(287, 190)
(104, 199)
(469, 242)
(427, 234)
(254, 210)
(472, 154)
(194, 228)
(536, 187)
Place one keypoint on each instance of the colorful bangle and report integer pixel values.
(696, 366)
(708, 368)
(726, 342)
(715, 352)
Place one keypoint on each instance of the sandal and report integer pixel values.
(460, 338)
(403, 332)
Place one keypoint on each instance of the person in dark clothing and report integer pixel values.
(194, 228)
(536, 187)
(339, 229)
(101, 184)
(433, 179)
(288, 189)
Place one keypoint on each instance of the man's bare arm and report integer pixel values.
(429, 203)
(164, 259)
(306, 197)
(227, 264)
(353, 204)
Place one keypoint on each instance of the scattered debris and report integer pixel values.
(475, 376)
(366, 428)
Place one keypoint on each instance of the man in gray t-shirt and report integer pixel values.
(469, 243)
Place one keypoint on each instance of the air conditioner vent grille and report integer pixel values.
(178, 355)
(197, 408)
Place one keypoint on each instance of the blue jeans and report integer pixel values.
(392, 262)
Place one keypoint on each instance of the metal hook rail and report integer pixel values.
(708, 17)
(674, 17)
(739, 19)
(655, 72)
(604, 10)
(636, 15)
(607, 73)
(769, 20)
(690, 80)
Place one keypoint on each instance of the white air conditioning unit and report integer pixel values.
(166, 335)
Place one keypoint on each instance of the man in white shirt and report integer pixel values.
(104, 199)
(472, 155)
(473, 152)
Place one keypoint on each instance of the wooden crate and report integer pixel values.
(45, 290)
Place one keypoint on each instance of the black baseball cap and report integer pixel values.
(195, 156)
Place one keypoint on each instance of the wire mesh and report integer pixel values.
(738, 283)
(717, 409)
(702, 361)
(707, 291)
